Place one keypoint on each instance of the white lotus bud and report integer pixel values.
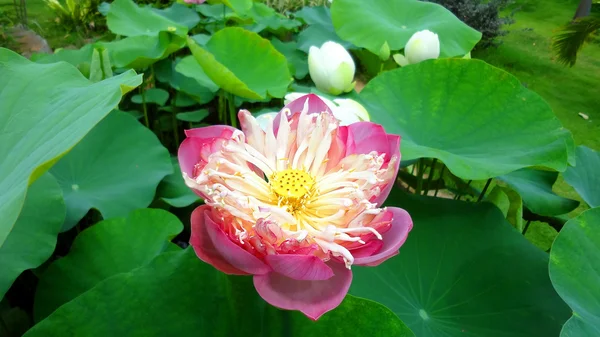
(331, 68)
(423, 45)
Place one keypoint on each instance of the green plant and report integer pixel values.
(484, 16)
(573, 36)
(283, 6)
(156, 3)
(6, 39)
(75, 15)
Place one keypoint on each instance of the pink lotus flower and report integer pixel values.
(295, 206)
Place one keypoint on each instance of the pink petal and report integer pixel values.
(255, 136)
(189, 153)
(394, 150)
(213, 131)
(232, 253)
(367, 249)
(300, 267)
(313, 298)
(203, 245)
(315, 105)
(364, 137)
(337, 151)
(393, 239)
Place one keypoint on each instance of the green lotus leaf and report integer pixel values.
(114, 169)
(36, 133)
(574, 266)
(477, 119)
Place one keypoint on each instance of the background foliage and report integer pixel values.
(109, 254)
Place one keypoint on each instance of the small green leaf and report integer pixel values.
(108, 248)
(152, 95)
(541, 234)
(585, 176)
(243, 63)
(114, 169)
(535, 187)
(574, 266)
(189, 80)
(193, 116)
(510, 203)
(188, 67)
(183, 100)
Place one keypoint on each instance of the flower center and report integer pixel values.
(291, 184)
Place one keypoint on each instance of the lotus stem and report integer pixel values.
(431, 171)
(175, 129)
(458, 196)
(487, 184)
(144, 107)
(526, 226)
(437, 186)
(420, 172)
(232, 113)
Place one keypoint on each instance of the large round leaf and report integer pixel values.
(464, 271)
(535, 187)
(72, 56)
(574, 270)
(142, 51)
(370, 24)
(128, 19)
(176, 295)
(477, 119)
(35, 132)
(33, 237)
(585, 176)
(110, 247)
(188, 67)
(243, 63)
(181, 14)
(115, 169)
(510, 204)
